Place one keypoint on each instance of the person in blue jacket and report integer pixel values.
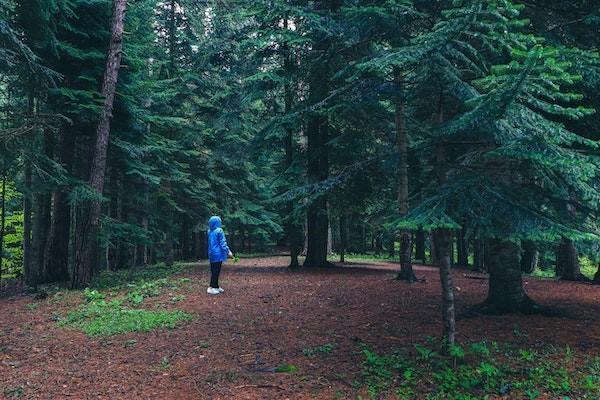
(218, 252)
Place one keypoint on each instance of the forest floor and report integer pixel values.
(305, 334)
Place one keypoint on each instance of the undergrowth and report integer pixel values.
(479, 371)
(107, 318)
(99, 316)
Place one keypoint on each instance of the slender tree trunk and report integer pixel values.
(41, 228)
(479, 251)
(506, 292)
(294, 232)
(343, 237)
(463, 249)
(88, 218)
(443, 248)
(29, 272)
(406, 270)
(529, 258)
(420, 245)
(432, 250)
(2, 221)
(567, 262)
(443, 238)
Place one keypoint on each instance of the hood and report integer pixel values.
(214, 222)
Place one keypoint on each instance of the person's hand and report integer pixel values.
(230, 254)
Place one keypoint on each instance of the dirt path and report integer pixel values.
(266, 318)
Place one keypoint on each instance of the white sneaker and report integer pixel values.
(212, 291)
(221, 290)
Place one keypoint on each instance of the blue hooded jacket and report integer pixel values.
(217, 244)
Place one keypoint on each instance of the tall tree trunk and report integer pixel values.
(567, 262)
(2, 221)
(406, 270)
(88, 215)
(317, 133)
(29, 272)
(463, 249)
(443, 238)
(56, 257)
(40, 230)
(443, 248)
(479, 254)
(343, 237)
(506, 292)
(432, 250)
(420, 245)
(294, 231)
(529, 258)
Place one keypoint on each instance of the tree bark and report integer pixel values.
(432, 250)
(506, 293)
(567, 262)
(443, 247)
(88, 215)
(317, 132)
(343, 237)
(56, 257)
(479, 254)
(2, 221)
(420, 245)
(529, 256)
(443, 238)
(463, 249)
(406, 270)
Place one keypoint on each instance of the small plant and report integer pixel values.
(527, 355)
(165, 363)
(14, 392)
(286, 368)
(326, 348)
(179, 297)
(424, 353)
(91, 295)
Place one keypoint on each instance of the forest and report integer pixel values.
(426, 171)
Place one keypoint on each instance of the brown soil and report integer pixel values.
(266, 317)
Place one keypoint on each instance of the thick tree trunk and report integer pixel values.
(506, 293)
(56, 257)
(443, 239)
(529, 256)
(317, 151)
(567, 262)
(88, 215)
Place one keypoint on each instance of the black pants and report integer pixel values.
(215, 271)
